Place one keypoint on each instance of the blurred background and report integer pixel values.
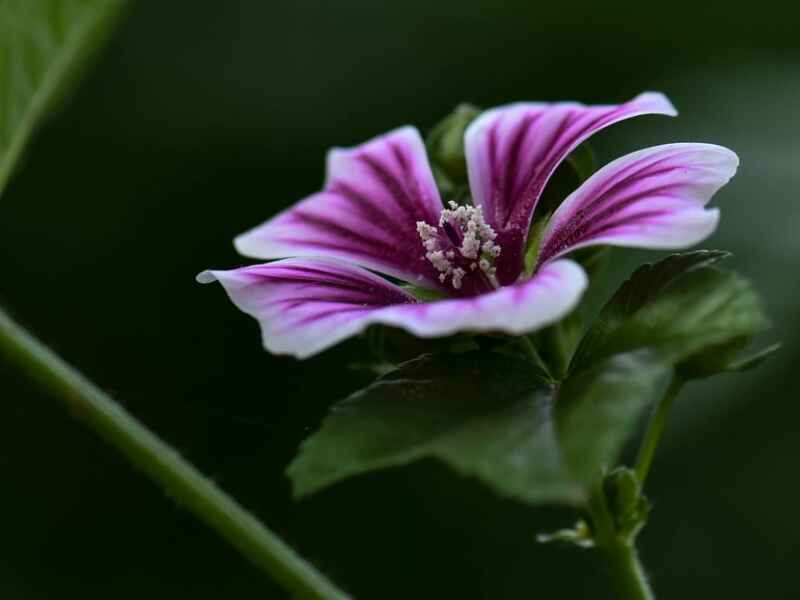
(199, 120)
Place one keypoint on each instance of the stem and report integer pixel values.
(629, 577)
(562, 348)
(161, 463)
(530, 351)
(619, 553)
(655, 428)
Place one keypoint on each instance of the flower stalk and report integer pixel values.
(614, 528)
(617, 549)
(161, 463)
(656, 427)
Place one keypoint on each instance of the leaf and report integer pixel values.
(482, 413)
(755, 359)
(600, 407)
(683, 308)
(42, 43)
(487, 416)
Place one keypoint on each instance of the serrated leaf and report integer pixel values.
(42, 43)
(684, 309)
(487, 416)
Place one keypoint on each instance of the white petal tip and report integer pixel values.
(205, 277)
(246, 245)
(659, 103)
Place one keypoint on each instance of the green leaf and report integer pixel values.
(600, 407)
(683, 308)
(487, 416)
(42, 43)
(484, 414)
(755, 359)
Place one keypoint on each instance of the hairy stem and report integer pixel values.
(618, 552)
(654, 430)
(629, 578)
(163, 464)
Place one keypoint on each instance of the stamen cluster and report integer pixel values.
(462, 242)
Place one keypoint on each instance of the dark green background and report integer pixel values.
(199, 120)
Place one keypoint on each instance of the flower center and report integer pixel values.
(462, 244)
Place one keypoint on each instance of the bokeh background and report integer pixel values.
(201, 119)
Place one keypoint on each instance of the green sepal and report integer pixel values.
(425, 294)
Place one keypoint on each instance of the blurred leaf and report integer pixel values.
(487, 416)
(583, 161)
(42, 43)
(755, 359)
(445, 144)
(685, 309)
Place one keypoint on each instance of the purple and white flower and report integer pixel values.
(380, 211)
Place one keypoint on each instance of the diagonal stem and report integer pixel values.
(164, 465)
(532, 353)
(618, 552)
(654, 430)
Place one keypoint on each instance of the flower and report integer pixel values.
(380, 211)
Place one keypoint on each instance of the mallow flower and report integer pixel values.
(379, 221)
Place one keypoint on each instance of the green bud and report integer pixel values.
(628, 506)
(445, 144)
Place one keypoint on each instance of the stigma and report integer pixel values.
(461, 245)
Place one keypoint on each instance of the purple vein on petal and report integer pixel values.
(653, 198)
(373, 197)
(305, 305)
(512, 151)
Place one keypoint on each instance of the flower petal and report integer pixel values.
(373, 196)
(307, 305)
(513, 150)
(653, 198)
(550, 294)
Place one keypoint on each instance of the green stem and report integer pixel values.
(162, 464)
(562, 348)
(654, 430)
(630, 580)
(530, 351)
(619, 553)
